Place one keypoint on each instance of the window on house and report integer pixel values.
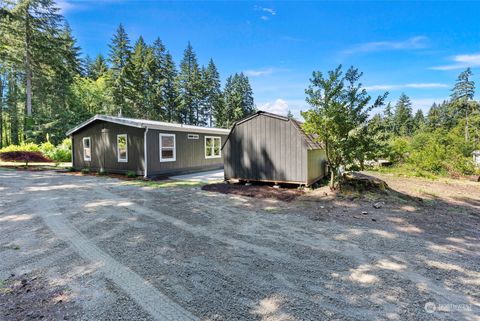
(193, 136)
(212, 147)
(167, 148)
(122, 148)
(87, 149)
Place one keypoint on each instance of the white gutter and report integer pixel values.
(145, 163)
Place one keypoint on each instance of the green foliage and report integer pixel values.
(29, 147)
(131, 174)
(338, 116)
(85, 170)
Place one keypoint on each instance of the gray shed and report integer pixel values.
(272, 148)
(149, 148)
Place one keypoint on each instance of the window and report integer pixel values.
(212, 147)
(122, 148)
(167, 148)
(193, 136)
(87, 150)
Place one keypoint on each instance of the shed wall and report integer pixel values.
(103, 137)
(317, 160)
(190, 153)
(266, 148)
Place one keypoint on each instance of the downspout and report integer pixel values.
(145, 163)
(71, 150)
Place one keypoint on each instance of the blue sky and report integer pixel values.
(413, 47)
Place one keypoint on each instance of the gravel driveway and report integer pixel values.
(138, 253)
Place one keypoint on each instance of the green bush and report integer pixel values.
(131, 174)
(30, 147)
(102, 172)
(85, 170)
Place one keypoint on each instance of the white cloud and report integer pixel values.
(65, 5)
(461, 62)
(259, 72)
(403, 86)
(268, 12)
(417, 42)
(279, 107)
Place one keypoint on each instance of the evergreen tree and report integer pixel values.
(138, 79)
(462, 95)
(418, 120)
(213, 94)
(120, 52)
(170, 91)
(97, 68)
(289, 114)
(157, 73)
(403, 119)
(388, 118)
(189, 85)
(238, 99)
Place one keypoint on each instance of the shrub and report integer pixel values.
(131, 174)
(85, 170)
(23, 156)
(63, 151)
(102, 172)
(30, 147)
(70, 169)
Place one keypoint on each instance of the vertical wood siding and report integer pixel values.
(266, 148)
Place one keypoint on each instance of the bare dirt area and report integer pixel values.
(128, 252)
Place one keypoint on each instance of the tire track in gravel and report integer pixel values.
(158, 305)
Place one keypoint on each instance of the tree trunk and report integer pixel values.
(28, 71)
(332, 179)
(13, 110)
(466, 123)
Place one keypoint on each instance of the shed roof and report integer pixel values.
(144, 123)
(310, 139)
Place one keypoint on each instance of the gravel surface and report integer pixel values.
(138, 253)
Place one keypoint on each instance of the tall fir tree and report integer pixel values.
(418, 120)
(403, 118)
(462, 96)
(213, 94)
(120, 51)
(97, 68)
(138, 78)
(170, 90)
(189, 85)
(239, 101)
(156, 69)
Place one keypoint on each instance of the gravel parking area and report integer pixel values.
(125, 252)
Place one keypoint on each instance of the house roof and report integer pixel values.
(310, 139)
(151, 124)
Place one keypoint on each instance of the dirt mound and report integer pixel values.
(255, 191)
(33, 298)
(362, 182)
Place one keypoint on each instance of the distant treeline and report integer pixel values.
(46, 87)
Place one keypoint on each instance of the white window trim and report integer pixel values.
(213, 147)
(174, 158)
(85, 158)
(118, 149)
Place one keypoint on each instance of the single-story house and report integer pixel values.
(148, 148)
(272, 148)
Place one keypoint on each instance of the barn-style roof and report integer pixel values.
(151, 124)
(310, 139)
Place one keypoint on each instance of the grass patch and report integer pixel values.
(35, 165)
(164, 184)
(4, 289)
(405, 171)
